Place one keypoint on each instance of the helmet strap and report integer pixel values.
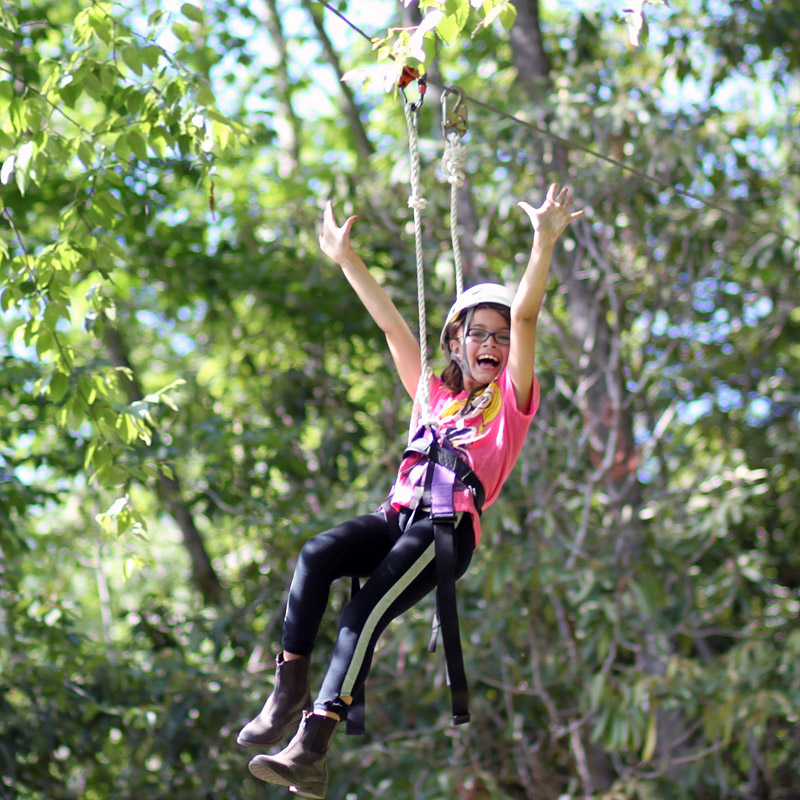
(462, 361)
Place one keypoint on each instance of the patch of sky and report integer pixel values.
(175, 216)
(182, 344)
(500, 174)
(660, 323)
(728, 398)
(693, 410)
(149, 319)
(753, 313)
(759, 410)
(216, 231)
(197, 312)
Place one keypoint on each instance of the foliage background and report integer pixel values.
(188, 391)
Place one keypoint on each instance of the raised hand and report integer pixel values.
(334, 240)
(551, 219)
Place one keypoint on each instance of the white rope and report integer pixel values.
(453, 160)
(418, 203)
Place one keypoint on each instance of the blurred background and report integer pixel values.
(189, 390)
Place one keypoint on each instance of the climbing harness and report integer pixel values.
(444, 468)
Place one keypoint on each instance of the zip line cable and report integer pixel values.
(664, 184)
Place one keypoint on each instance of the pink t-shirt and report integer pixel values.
(489, 434)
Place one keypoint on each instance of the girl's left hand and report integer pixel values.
(334, 240)
(552, 218)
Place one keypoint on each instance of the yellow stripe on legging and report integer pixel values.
(375, 615)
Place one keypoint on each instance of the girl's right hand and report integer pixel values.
(334, 239)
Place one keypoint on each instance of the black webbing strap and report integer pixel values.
(446, 616)
(446, 619)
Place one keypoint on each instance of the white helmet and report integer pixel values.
(475, 296)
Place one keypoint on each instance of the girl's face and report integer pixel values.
(485, 355)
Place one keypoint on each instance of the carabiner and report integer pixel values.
(409, 75)
(454, 120)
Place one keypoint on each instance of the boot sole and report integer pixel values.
(307, 791)
(263, 770)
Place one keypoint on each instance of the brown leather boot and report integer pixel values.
(303, 763)
(284, 707)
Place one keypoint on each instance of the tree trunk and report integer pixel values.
(287, 123)
(602, 392)
(204, 577)
(349, 106)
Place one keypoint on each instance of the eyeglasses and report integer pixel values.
(482, 335)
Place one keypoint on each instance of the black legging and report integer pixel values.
(401, 571)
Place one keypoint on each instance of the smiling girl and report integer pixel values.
(480, 408)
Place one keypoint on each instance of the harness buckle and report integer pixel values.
(461, 719)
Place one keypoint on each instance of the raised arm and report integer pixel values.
(549, 222)
(403, 346)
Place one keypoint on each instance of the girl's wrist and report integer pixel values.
(544, 240)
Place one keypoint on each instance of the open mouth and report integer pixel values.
(488, 362)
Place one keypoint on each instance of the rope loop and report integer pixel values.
(454, 159)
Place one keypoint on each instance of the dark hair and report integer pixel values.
(451, 375)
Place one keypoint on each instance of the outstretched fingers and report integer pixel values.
(334, 239)
(576, 214)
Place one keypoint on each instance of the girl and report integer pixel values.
(483, 405)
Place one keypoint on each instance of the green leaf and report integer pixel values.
(53, 313)
(508, 16)
(21, 178)
(122, 147)
(448, 28)
(132, 58)
(86, 153)
(183, 33)
(192, 12)
(492, 15)
(138, 145)
(70, 92)
(101, 26)
(150, 55)
(651, 738)
(59, 384)
(6, 95)
(44, 343)
(205, 97)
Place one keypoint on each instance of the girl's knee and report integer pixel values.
(317, 548)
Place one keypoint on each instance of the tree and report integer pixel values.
(188, 391)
